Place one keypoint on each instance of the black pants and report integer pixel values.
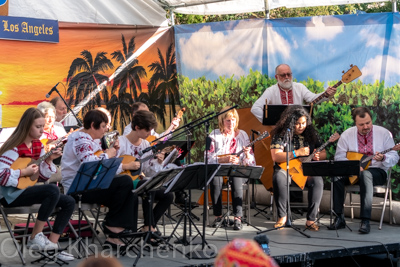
(121, 202)
(49, 196)
(368, 179)
(236, 192)
(163, 202)
(315, 186)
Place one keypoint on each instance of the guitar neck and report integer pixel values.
(325, 94)
(309, 158)
(372, 156)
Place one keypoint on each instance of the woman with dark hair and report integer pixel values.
(304, 141)
(81, 147)
(24, 142)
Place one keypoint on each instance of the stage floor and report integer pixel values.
(288, 247)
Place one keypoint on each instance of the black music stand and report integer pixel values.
(332, 169)
(91, 176)
(146, 189)
(238, 171)
(272, 113)
(192, 178)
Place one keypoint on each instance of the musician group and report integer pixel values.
(229, 145)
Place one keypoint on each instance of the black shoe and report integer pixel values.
(365, 228)
(339, 223)
(237, 225)
(111, 234)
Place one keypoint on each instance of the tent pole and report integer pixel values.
(172, 16)
(394, 6)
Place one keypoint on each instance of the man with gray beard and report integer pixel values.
(285, 92)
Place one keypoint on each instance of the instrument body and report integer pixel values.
(21, 163)
(295, 165)
(365, 161)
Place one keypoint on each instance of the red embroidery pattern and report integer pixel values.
(289, 99)
(365, 143)
(232, 147)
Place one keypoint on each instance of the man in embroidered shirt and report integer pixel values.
(285, 92)
(366, 139)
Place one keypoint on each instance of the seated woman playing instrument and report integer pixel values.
(225, 141)
(24, 143)
(305, 139)
(81, 147)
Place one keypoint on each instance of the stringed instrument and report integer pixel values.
(259, 138)
(112, 138)
(46, 142)
(134, 174)
(365, 160)
(151, 138)
(350, 75)
(21, 163)
(295, 165)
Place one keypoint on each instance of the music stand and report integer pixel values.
(91, 176)
(152, 184)
(238, 171)
(192, 178)
(332, 169)
(272, 113)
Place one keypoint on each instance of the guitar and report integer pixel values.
(365, 160)
(352, 74)
(46, 142)
(259, 138)
(151, 138)
(295, 165)
(134, 174)
(21, 163)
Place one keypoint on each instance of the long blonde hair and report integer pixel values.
(22, 130)
(231, 113)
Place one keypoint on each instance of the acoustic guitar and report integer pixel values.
(350, 75)
(151, 138)
(134, 174)
(295, 165)
(21, 163)
(365, 160)
(259, 138)
(46, 142)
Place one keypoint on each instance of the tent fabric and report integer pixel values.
(203, 7)
(123, 12)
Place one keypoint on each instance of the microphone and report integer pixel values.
(263, 241)
(255, 132)
(146, 150)
(52, 89)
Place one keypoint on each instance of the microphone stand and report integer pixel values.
(288, 142)
(69, 108)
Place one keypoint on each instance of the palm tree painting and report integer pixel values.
(84, 76)
(126, 86)
(164, 82)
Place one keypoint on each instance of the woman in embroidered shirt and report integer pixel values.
(305, 139)
(82, 145)
(25, 143)
(52, 130)
(226, 140)
(133, 143)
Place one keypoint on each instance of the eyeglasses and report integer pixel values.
(283, 75)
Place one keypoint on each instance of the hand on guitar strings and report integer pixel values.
(247, 151)
(56, 154)
(112, 151)
(379, 157)
(29, 170)
(331, 91)
(133, 165)
(304, 151)
(229, 159)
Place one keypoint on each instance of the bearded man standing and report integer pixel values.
(285, 92)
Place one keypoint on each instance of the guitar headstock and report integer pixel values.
(352, 74)
(334, 137)
(180, 113)
(262, 136)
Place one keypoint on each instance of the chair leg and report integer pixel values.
(351, 206)
(13, 237)
(384, 208)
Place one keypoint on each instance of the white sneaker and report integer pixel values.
(65, 256)
(41, 242)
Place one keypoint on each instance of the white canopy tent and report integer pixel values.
(220, 7)
(124, 12)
